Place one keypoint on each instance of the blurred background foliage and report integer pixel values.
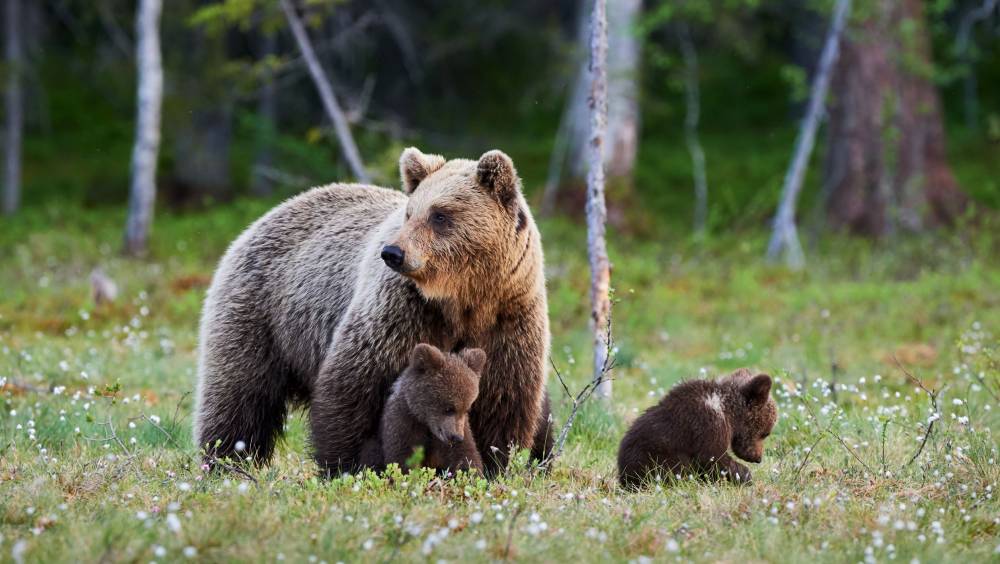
(460, 77)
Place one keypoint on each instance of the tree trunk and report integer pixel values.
(202, 145)
(142, 192)
(325, 89)
(600, 267)
(785, 238)
(692, 106)
(623, 89)
(886, 163)
(622, 121)
(14, 110)
(260, 184)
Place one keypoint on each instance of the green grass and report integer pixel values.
(96, 461)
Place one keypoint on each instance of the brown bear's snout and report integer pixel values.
(393, 257)
(455, 438)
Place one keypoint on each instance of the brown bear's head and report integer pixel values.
(463, 226)
(440, 388)
(752, 414)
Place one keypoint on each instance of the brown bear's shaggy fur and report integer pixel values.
(321, 301)
(429, 408)
(694, 425)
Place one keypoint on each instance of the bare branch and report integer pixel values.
(325, 90)
(934, 405)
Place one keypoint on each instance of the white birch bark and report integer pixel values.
(600, 267)
(691, 118)
(142, 191)
(784, 237)
(325, 89)
(14, 107)
(623, 88)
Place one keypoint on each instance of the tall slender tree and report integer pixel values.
(323, 85)
(785, 237)
(13, 105)
(600, 266)
(142, 192)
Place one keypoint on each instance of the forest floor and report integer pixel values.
(97, 461)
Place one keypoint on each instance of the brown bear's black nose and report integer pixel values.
(456, 439)
(393, 256)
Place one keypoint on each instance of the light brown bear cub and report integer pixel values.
(429, 407)
(693, 427)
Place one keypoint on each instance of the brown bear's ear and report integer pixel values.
(474, 359)
(495, 173)
(758, 389)
(415, 166)
(425, 357)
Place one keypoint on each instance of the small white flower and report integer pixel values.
(173, 523)
(190, 552)
(672, 546)
(368, 544)
(240, 446)
(159, 551)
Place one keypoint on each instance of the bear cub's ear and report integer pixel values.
(474, 359)
(426, 357)
(495, 173)
(758, 389)
(415, 166)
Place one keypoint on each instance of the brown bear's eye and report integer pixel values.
(449, 411)
(439, 218)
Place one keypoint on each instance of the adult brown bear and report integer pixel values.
(321, 301)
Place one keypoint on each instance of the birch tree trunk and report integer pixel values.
(600, 267)
(325, 89)
(142, 192)
(692, 115)
(784, 237)
(14, 110)
(622, 122)
(623, 89)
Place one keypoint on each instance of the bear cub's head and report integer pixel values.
(752, 413)
(464, 220)
(440, 389)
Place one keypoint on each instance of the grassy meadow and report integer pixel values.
(97, 462)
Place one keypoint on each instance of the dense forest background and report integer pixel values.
(241, 116)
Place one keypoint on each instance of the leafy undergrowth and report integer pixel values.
(96, 460)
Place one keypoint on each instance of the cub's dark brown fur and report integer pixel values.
(429, 408)
(693, 427)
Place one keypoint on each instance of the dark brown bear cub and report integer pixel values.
(693, 426)
(429, 407)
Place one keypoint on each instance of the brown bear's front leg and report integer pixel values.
(347, 402)
(735, 472)
(508, 410)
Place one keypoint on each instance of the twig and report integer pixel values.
(934, 404)
(216, 461)
(829, 430)
(510, 531)
(885, 427)
(851, 450)
(581, 397)
(806, 458)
